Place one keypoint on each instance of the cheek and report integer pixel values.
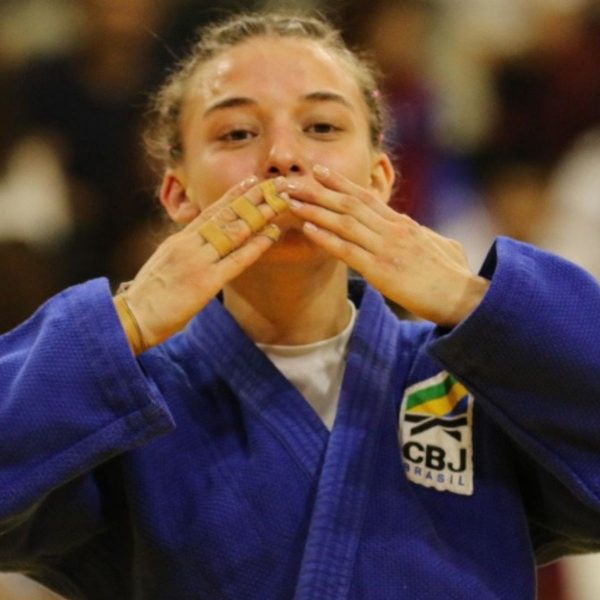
(212, 175)
(353, 161)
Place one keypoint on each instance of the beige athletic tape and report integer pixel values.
(245, 210)
(277, 203)
(271, 231)
(216, 237)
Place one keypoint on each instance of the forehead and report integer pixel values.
(275, 68)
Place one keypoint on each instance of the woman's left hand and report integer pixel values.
(412, 265)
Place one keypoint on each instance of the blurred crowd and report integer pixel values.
(494, 126)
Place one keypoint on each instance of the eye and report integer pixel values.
(237, 135)
(323, 129)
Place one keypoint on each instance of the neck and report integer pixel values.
(290, 305)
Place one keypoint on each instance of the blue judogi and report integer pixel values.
(249, 496)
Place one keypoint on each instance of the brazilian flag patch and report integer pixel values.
(435, 431)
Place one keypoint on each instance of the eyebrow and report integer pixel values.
(328, 97)
(232, 102)
(237, 101)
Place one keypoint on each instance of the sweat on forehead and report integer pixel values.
(261, 64)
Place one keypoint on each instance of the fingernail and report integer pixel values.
(250, 181)
(279, 181)
(321, 170)
(295, 204)
(310, 227)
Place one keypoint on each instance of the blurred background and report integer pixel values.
(495, 108)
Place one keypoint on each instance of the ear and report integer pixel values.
(382, 176)
(175, 198)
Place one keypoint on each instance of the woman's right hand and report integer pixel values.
(186, 272)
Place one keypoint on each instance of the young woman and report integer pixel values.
(292, 438)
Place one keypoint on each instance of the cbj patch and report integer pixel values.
(435, 433)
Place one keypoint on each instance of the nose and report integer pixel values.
(284, 156)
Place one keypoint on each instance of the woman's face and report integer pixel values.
(268, 107)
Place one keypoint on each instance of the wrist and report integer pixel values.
(471, 295)
(130, 324)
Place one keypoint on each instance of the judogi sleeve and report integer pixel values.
(71, 397)
(530, 353)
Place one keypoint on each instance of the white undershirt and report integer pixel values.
(317, 369)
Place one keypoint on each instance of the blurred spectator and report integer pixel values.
(88, 104)
(469, 38)
(510, 198)
(34, 215)
(550, 94)
(34, 220)
(575, 198)
(30, 28)
(397, 33)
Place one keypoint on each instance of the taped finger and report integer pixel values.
(271, 231)
(276, 202)
(216, 237)
(246, 211)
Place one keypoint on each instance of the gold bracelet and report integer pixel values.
(130, 324)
